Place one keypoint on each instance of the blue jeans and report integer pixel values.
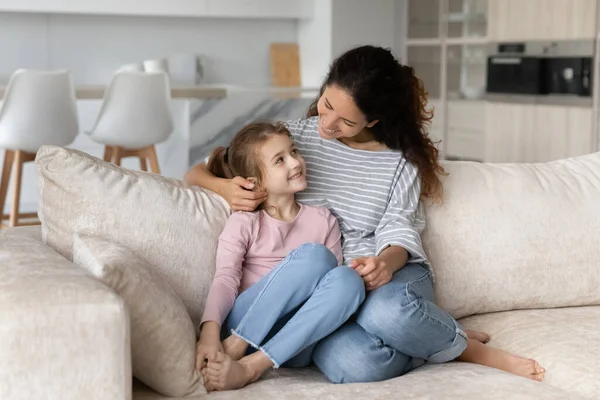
(397, 328)
(303, 299)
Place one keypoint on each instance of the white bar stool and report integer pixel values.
(135, 116)
(38, 109)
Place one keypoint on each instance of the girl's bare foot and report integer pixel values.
(479, 336)
(235, 347)
(479, 353)
(227, 374)
(207, 385)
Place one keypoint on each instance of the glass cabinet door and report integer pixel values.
(423, 19)
(466, 71)
(467, 18)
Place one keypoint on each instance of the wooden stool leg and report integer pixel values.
(117, 155)
(153, 160)
(18, 165)
(108, 153)
(9, 156)
(143, 163)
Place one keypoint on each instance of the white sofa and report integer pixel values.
(515, 248)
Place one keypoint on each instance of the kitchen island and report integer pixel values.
(204, 117)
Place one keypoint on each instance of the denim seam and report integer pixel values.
(413, 297)
(240, 326)
(326, 278)
(270, 357)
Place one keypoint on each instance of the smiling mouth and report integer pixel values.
(296, 176)
(330, 131)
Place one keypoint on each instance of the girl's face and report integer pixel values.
(339, 117)
(284, 170)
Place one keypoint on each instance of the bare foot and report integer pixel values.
(207, 385)
(479, 336)
(235, 347)
(479, 353)
(228, 374)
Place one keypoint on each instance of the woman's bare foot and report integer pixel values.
(227, 374)
(477, 335)
(235, 347)
(479, 353)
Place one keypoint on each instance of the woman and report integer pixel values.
(370, 161)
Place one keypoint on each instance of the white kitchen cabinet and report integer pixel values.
(466, 129)
(293, 9)
(536, 133)
(541, 19)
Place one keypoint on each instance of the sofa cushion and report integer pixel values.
(516, 236)
(172, 226)
(452, 381)
(562, 340)
(163, 339)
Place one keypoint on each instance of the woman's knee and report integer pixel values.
(351, 355)
(390, 307)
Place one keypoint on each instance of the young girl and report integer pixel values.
(277, 287)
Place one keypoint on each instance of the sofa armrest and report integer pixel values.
(63, 335)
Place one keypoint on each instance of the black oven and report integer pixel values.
(518, 74)
(539, 68)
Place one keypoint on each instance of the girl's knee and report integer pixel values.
(317, 254)
(311, 262)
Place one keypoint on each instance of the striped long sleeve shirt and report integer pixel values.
(373, 194)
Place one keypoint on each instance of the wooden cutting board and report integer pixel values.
(285, 64)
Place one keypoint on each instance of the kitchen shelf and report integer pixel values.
(281, 9)
(423, 42)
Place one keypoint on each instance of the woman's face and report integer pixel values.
(339, 117)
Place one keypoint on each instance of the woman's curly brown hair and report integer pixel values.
(385, 90)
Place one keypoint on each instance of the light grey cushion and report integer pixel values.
(162, 334)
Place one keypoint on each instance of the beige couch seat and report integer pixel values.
(564, 340)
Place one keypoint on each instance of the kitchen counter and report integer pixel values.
(96, 92)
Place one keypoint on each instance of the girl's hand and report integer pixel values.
(209, 344)
(238, 193)
(206, 350)
(373, 270)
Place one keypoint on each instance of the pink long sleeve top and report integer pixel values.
(253, 243)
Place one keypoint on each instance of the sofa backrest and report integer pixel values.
(516, 236)
(172, 226)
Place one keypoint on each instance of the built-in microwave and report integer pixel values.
(539, 68)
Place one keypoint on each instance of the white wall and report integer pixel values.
(92, 47)
(314, 40)
(360, 22)
(339, 25)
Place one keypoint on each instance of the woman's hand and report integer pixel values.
(374, 271)
(238, 193)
